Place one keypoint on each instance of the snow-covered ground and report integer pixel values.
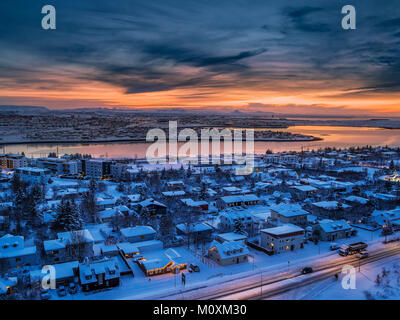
(330, 289)
(141, 287)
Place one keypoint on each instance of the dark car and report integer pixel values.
(363, 255)
(45, 295)
(72, 288)
(61, 291)
(194, 268)
(307, 270)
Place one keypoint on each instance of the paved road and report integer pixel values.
(265, 286)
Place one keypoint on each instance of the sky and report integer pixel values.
(250, 55)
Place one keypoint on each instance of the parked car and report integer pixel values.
(334, 246)
(45, 295)
(61, 291)
(363, 255)
(72, 288)
(307, 270)
(194, 268)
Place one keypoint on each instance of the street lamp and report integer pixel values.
(261, 277)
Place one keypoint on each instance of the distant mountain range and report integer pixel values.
(23, 109)
(37, 110)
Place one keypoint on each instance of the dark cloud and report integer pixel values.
(171, 44)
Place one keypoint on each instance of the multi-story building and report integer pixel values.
(33, 175)
(13, 161)
(283, 238)
(96, 168)
(58, 166)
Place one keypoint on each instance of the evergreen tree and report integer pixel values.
(68, 217)
(89, 201)
(166, 227)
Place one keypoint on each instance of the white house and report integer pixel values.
(14, 254)
(138, 233)
(283, 238)
(228, 252)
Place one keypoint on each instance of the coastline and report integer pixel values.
(66, 142)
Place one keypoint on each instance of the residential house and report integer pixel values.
(228, 252)
(98, 274)
(289, 213)
(70, 245)
(138, 233)
(331, 230)
(239, 200)
(196, 231)
(14, 253)
(330, 209)
(234, 221)
(152, 207)
(169, 261)
(283, 238)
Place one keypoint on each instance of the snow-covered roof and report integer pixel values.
(137, 231)
(195, 227)
(191, 203)
(283, 230)
(305, 188)
(150, 201)
(174, 193)
(232, 236)
(330, 205)
(240, 198)
(55, 244)
(128, 248)
(84, 236)
(329, 226)
(174, 256)
(231, 189)
(359, 200)
(13, 246)
(229, 249)
(179, 182)
(6, 283)
(289, 209)
(98, 267)
(232, 216)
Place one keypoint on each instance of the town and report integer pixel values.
(116, 228)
